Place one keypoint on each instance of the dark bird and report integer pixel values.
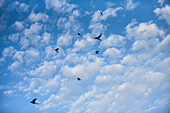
(33, 101)
(98, 38)
(97, 52)
(78, 79)
(57, 50)
(79, 34)
(101, 13)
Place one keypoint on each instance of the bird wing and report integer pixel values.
(34, 100)
(99, 36)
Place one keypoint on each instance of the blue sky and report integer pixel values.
(130, 74)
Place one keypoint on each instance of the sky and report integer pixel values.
(131, 73)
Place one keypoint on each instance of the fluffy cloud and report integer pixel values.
(21, 7)
(7, 52)
(19, 25)
(111, 97)
(113, 41)
(45, 70)
(87, 41)
(110, 12)
(14, 37)
(143, 30)
(32, 55)
(130, 5)
(34, 29)
(19, 56)
(60, 5)
(47, 86)
(69, 23)
(97, 28)
(112, 53)
(64, 40)
(163, 13)
(14, 66)
(35, 17)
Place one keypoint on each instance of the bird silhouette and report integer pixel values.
(78, 79)
(101, 13)
(97, 52)
(57, 50)
(98, 37)
(33, 101)
(79, 34)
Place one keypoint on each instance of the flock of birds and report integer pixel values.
(57, 50)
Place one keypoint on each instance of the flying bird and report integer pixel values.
(101, 13)
(57, 50)
(78, 79)
(33, 101)
(97, 52)
(98, 38)
(79, 34)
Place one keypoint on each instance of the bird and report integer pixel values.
(33, 101)
(78, 79)
(79, 34)
(101, 13)
(57, 50)
(97, 52)
(98, 37)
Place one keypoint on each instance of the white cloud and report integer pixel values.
(45, 70)
(86, 41)
(110, 4)
(115, 98)
(163, 13)
(19, 56)
(113, 53)
(35, 17)
(112, 69)
(7, 52)
(130, 5)
(14, 66)
(143, 30)
(19, 25)
(113, 41)
(86, 70)
(24, 42)
(23, 7)
(48, 86)
(97, 28)
(46, 38)
(64, 40)
(139, 44)
(31, 55)
(70, 23)
(34, 29)
(14, 37)
(129, 59)
(161, 2)
(59, 5)
(165, 43)
(110, 12)
(9, 92)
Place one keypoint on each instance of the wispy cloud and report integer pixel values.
(130, 5)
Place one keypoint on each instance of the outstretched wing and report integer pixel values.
(99, 35)
(34, 100)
